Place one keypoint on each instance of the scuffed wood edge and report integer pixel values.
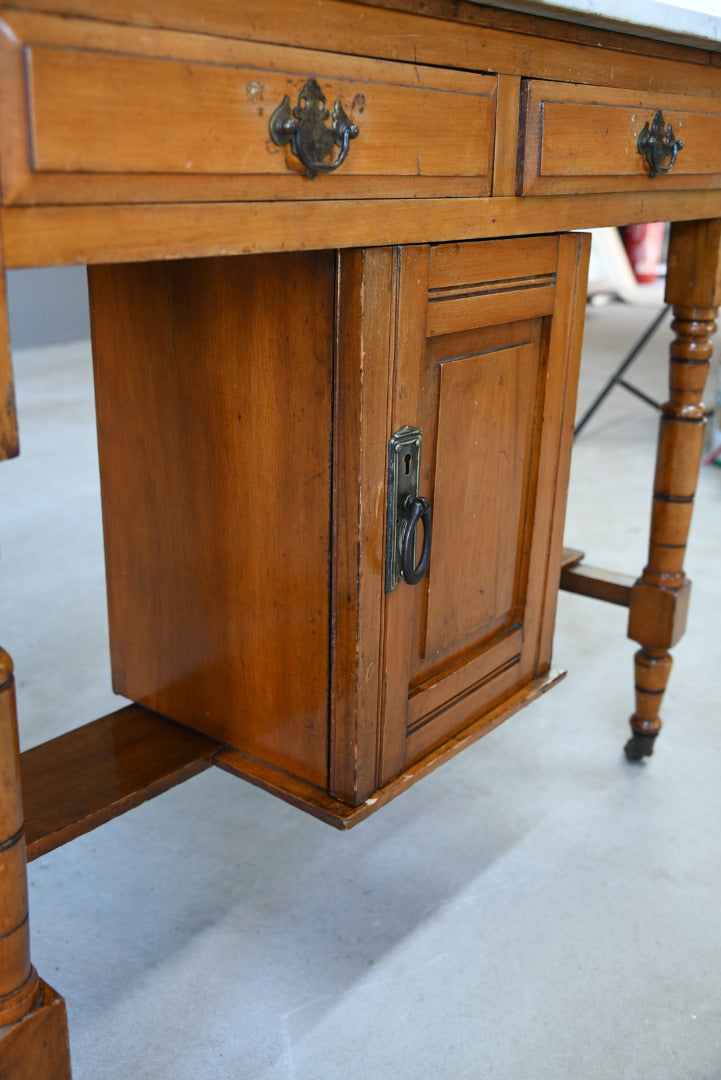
(333, 812)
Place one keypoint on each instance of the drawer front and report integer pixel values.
(125, 115)
(586, 139)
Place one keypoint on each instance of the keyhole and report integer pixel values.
(407, 460)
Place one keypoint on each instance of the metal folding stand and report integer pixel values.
(617, 377)
(712, 455)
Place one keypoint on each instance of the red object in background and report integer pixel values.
(644, 244)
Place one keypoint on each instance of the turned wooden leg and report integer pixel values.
(33, 1024)
(659, 599)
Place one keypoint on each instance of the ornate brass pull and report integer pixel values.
(658, 145)
(304, 127)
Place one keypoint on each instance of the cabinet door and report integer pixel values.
(487, 345)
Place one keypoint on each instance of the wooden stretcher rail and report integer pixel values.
(608, 585)
(600, 584)
(86, 777)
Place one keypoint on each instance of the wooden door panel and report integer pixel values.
(455, 681)
(481, 451)
(482, 368)
(434, 727)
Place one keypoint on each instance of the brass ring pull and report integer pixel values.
(419, 509)
(657, 144)
(304, 127)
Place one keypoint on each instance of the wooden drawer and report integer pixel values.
(160, 116)
(585, 139)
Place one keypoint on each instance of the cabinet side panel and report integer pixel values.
(213, 385)
(565, 343)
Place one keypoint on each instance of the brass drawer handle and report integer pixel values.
(304, 127)
(657, 144)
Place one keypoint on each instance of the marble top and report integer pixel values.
(694, 22)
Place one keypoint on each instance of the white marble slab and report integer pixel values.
(697, 22)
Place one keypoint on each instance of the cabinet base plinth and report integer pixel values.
(339, 814)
